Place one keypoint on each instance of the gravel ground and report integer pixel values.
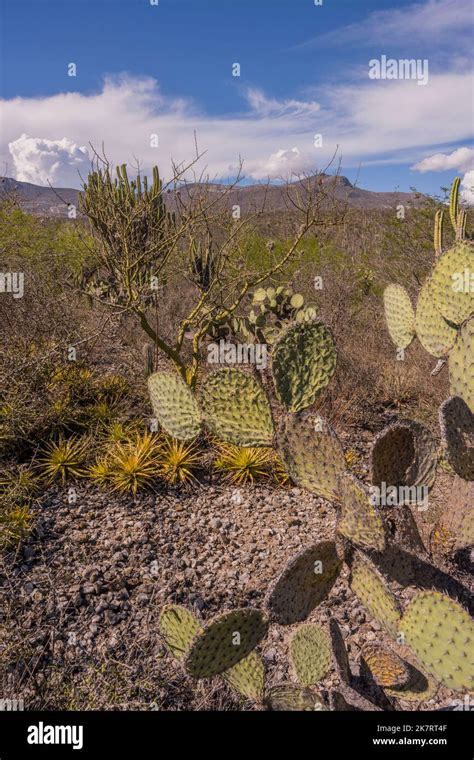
(82, 598)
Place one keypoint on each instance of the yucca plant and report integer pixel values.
(64, 459)
(100, 472)
(112, 388)
(243, 465)
(120, 432)
(19, 483)
(133, 464)
(178, 460)
(15, 524)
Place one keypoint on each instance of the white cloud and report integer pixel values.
(39, 160)
(431, 21)
(461, 159)
(467, 185)
(372, 122)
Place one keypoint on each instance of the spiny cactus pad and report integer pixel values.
(303, 362)
(174, 405)
(420, 687)
(225, 641)
(455, 528)
(304, 583)
(461, 365)
(247, 677)
(359, 521)
(441, 634)
(287, 697)
(457, 430)
(400, 315)
(386, 667)
(435, 334)
(404, 454)
(235, 408)
(375, 595)
(310, 653)
(450, 283)
(311, 453)
(178, 627)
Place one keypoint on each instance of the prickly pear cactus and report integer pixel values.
(304, 583)
(404, 454)
(461, 364)
(386, 667)
(445, 306)
(225, 641)
(174, 405)
(455, 528)
(310, 653)
(400, 315)
(374, 593)
(359, 520)
(452, 295)
(419, 688)
(311, 453)
(235, 408)
(247, 678)
(441, 634)
(178, 627)
(290, 698)
(435, 334)
(457, 431)
(303, 362)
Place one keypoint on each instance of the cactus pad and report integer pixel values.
(236, 409)
(461, 365)
(304, 583)
(455, 529)
(450, 283)
(174, 405)
(433, 331)
(287, 697)
(303, 362)
(386, 667)
(310, 653)
(359, 521)
(225, 641)
(178, 627)
(441, 634)
(457, 429)
(311, 453)
(419, 688)
(404, 454)
(375, 595)
(400, 315)
(247, 677)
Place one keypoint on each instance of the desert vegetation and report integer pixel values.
(198, 409)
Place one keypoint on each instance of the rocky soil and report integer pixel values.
(81, 600)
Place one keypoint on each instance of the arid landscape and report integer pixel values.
(156, 481)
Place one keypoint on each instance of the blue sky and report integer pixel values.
(167, 70)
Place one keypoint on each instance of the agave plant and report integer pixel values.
(134, 463)
(64, 458)
(178, 460)
(244, 464)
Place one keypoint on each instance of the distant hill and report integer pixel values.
(49, 202)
